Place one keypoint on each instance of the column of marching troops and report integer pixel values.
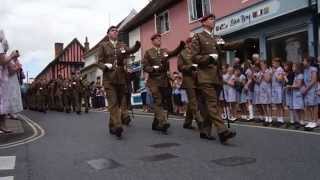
(198, 60)
(200, 64)
(63, 95)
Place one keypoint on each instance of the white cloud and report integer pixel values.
(33, 26)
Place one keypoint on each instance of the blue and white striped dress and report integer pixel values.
(243, 96)
(277, 87)
(249, 92)
(256, 89)
(265, 89)
(297, 97)
(310, 99)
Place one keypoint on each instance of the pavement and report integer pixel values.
(18, 131)
(79, 147)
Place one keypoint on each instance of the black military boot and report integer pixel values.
(126, 121)
(118, 132)
(188, 126)
(226, 135)
(154, 124)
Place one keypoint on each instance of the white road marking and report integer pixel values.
(7, 178)
(7, 162)
(38, 132)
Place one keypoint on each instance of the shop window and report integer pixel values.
(198, 9)
(289, 48)
(162, 22)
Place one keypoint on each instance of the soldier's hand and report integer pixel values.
(193, 67)
(211, 60)
(137, 44)
(156, 68)
(108, 66)
(182, 44)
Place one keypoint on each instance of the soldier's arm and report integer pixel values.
(147, 67)
(134, 49)
(197, 57)
(234, 45)
(101, 57)
(181, 66)
(231, 46)
(177, 50)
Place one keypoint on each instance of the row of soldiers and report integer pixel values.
(62, 95)
(199, 62)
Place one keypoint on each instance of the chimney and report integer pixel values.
(86, 45)
(58, 48)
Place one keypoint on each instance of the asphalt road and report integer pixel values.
(79, 148)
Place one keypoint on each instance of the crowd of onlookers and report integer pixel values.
(271, 92)
(179, 99)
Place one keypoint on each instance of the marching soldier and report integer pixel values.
(156, 64)
(58, 93)
(86, 90)
(33, 96)
(51, 91)
(206, 48)
(189, 72)
(43, 95)
(76, 92)
(66, 96)
(111, 57)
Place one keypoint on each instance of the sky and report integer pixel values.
(33, 26)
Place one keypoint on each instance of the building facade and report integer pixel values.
(282, 28)
(66, 61)
(94, 73)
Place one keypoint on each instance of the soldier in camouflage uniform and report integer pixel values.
(156, 64)
(76, 92)
(112, 55)
(206, 48)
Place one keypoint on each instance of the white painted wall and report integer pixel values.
(134, 36)
(90, 60)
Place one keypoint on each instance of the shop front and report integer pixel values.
(279, 28)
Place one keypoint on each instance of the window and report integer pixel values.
(198, 9)
(291, 47)
(162, 22)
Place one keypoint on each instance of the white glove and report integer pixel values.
(195, 65)
(156, 67)
(122, 50)
(109, 66)
(165, 54)
(220, 41)
(214, 56)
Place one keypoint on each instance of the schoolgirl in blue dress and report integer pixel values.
(277, 90)
(257, 75)
(297, 102)
(249, 89)
(265, 95)
(222, 104)
(241, 93)
(230, 93)
(309, 92)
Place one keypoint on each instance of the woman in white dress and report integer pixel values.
(6, 68)
(13, 98)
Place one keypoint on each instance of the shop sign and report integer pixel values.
(256, 14)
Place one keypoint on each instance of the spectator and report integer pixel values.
(7, 63)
